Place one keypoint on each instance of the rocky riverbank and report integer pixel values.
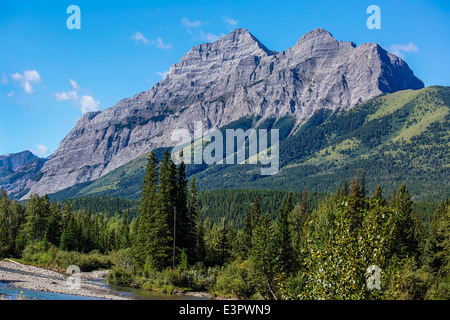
(34, 278)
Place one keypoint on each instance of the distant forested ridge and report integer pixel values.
(398, 138)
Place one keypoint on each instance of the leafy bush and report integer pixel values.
(236, 279)
(54, 257)
(119, 277)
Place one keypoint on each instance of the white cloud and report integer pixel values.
(32, 76)
(191, 24)
(11, 94)
(139, 37)
(25, 80)
(75, 85)
(163, 74)
(40, 151)
(400, 49)
(209, 37)
(66, 95)
(231, 22)
(159, 43)
(88, 104)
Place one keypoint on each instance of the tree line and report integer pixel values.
(40, 220)
(330, 250)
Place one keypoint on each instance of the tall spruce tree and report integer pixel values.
(183, 227)
(438, 243)
(146, 233)
(286, 253)
(298, 219)
(408, 230)
(196, 243)
(166, 212)
(36, 214)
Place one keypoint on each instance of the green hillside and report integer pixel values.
(399, 138)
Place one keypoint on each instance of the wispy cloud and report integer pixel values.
(191, 24)
(139, 37)
(159, 43)
(230, 22)
(40, 150)
(209, 37)
(27, 79)
(193, 28)
(75, 85)
(86, 102)
(11, 94)
(400, 49)
(66, 95)
(163, 74)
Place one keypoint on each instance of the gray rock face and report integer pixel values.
(17, 169)
(15, 160)
(219, 83)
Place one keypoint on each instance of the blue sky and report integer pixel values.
(50, 75)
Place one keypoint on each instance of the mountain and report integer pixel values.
(17, 169)
(220, 83)
(11, 162)
(395, 138)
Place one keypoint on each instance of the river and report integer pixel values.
(12, 292)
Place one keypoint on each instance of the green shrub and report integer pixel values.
(55, 257)
(124, 259)
(236, 279)
(119, 277)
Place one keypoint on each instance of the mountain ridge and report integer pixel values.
(222, 82)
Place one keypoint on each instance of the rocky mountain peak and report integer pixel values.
(317, 35)
(226, 51)
(219, 83)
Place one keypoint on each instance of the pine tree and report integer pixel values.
(124, 241)
(298, 223)
(345, 190)
(438, 243)
(196, 249)
(222, 245)
(286, 252)
(337, 196)
(184, 225)
(354, 205)
(16, 222)
(305, 200)
(165, 213)
(36, 215)
(363, 192)
(264, 252)
(4, 226)
(147, 232)
(378, 196)
(256, 212)
(246, 242)
(408, 230)
(54, 226)
(70, 236)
